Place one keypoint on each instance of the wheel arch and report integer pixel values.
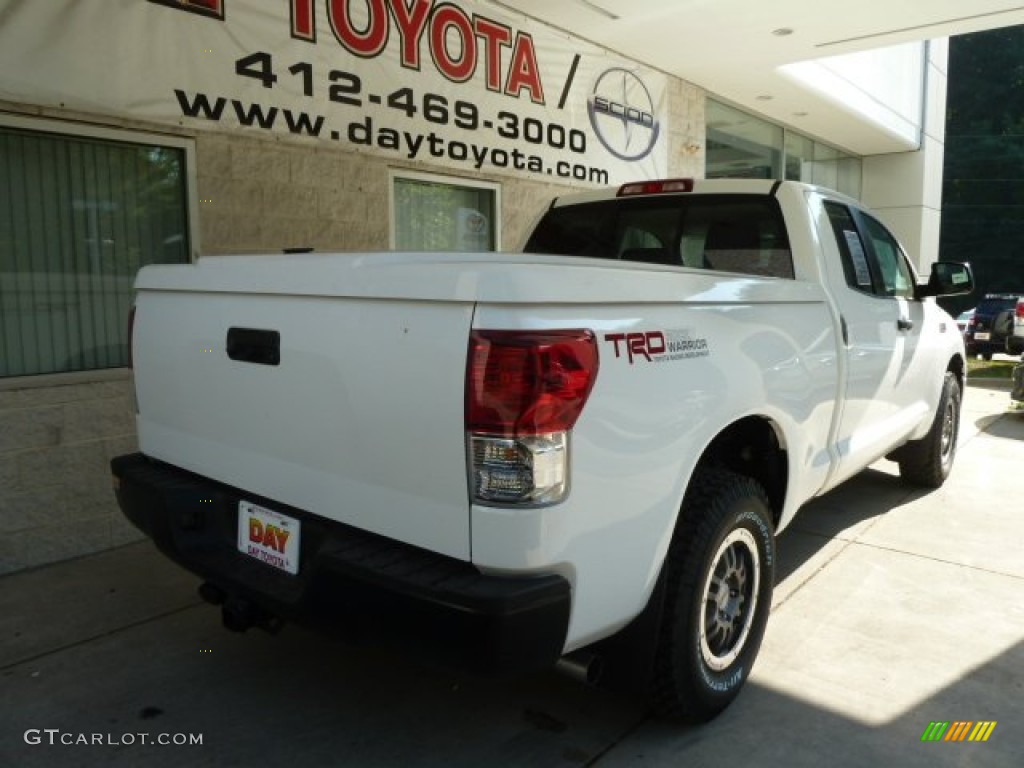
(755, 447)
(957, 366)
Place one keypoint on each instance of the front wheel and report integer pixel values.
(927, 462)
(719, 580)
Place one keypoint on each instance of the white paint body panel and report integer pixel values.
(363, 422)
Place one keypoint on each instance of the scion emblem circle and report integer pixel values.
(622, 114)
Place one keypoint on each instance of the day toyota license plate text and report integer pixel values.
(268, 536)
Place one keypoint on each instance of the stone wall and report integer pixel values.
(57, 436)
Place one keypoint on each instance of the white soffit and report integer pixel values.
(743, 51)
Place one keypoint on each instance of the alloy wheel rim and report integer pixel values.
(729, 600)
(948, 432)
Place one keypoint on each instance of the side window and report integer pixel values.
(851, 248)
(897, 279)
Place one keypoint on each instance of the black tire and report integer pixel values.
(710, 636)
(927, 462)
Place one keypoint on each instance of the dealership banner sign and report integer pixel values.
(462, 84)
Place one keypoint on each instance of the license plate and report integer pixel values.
(982, 336)
(268, 536)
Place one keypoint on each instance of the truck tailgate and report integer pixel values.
(359, 421)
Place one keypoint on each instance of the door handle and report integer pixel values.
(904, 325)
(250, 345)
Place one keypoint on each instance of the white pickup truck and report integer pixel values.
(579, 454)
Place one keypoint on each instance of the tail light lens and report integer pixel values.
(524, 392)
(1018, 312)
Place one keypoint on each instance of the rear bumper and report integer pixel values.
(350, 583)
(991, 347)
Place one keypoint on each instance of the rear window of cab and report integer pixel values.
(729, 233)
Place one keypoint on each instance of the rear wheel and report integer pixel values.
(719, 580)
(928, 461)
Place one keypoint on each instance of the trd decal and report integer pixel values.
(658, 346)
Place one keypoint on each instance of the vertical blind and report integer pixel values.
(78, 217)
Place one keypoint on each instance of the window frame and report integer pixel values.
(73, 129)
(860, 218)
(401, 174)
(125, 136)
(863, 219)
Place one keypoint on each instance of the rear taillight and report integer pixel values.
(1019, 311)
(524, 392)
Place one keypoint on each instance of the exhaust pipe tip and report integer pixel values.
(238, 615)
(211, 593)
(582, 666)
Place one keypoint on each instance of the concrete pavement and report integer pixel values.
(893, 608)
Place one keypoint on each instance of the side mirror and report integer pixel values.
(948, 278)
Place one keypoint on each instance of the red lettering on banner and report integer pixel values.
(458, 43)
(495, 36)
(365, 43)
(303, 20)
(447, 17)
(524, 74)
(411, 21)
(212, 8)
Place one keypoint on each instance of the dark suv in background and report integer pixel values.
(992, 323)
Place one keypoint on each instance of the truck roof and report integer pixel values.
(693, 186)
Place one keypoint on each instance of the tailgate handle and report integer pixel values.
(251, 345)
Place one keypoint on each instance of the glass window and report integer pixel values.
(825, 169)
(849, 174)
(438, 214)
(78, 217)
(729, 233)
(740, 145)
(799, 157)
(874, 263)
(856, 266)
(897, 279)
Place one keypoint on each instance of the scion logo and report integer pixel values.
(622, 114)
